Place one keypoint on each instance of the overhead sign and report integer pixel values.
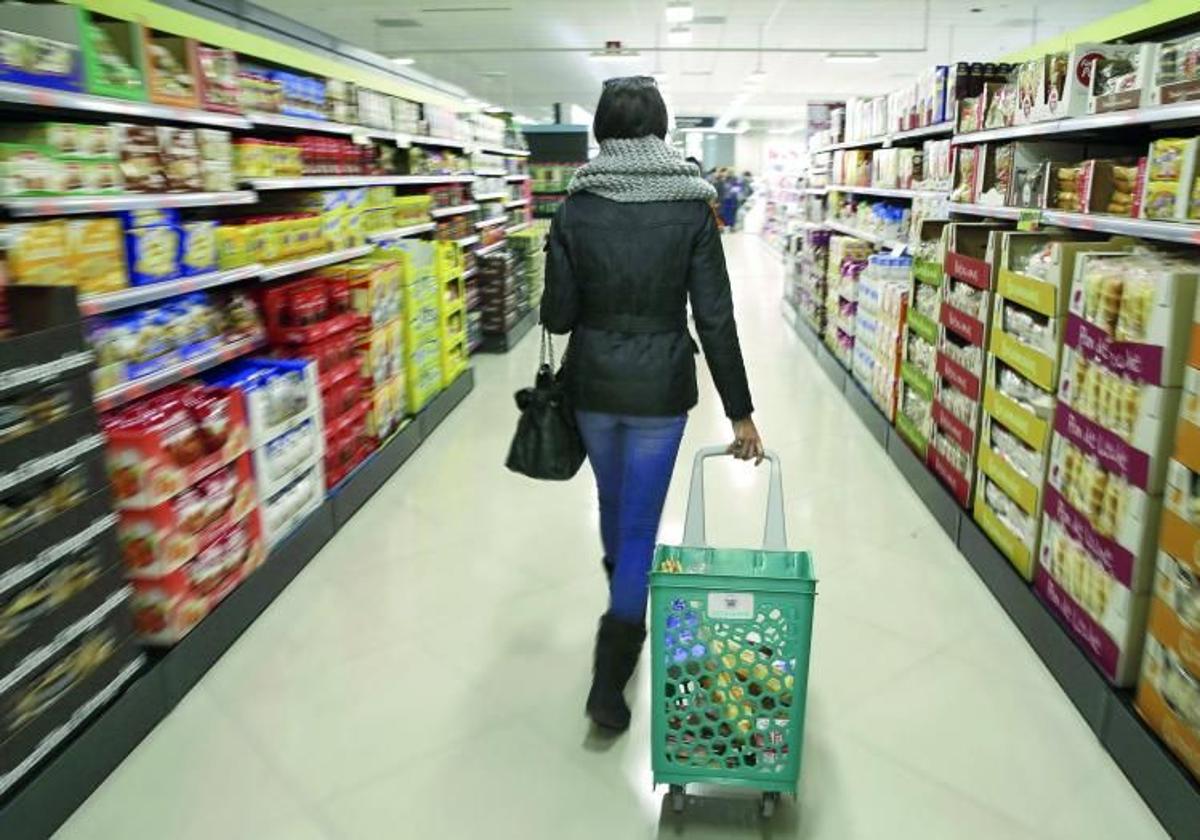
(695, 122)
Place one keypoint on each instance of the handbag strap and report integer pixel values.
(547, 350)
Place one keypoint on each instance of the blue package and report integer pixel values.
(197, 248)
(152, 254)
(152, 217)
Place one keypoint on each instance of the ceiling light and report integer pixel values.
(851, 57)
(680, 11)
(404, 61)
(679, 36)
(494, 109)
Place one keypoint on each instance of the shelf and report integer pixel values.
(813, 190)
(109, 107)
(520, 202)
(137, 295)
(888, 192)
(263, 119)
(516, 228)
(469, 273)
(503, 342)
(487, 223)
(518, 177)
(491, 173)
(496, 196)
(443, 142)
(489, 249)
(443, 212)
(75, 204)
(873, 238)
(401, 232)
(121, 394)
(466, 241)
(1162, 231)
(1156, 117)
(942, 129)
(315, 182)
(501, 150)
(283, 269)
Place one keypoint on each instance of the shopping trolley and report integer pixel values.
(731, 633)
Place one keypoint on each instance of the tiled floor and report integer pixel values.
(424, 677)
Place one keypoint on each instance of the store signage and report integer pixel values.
(695, 122)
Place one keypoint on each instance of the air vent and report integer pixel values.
(709, 20)
(396, 23)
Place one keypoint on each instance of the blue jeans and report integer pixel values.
(633, 458)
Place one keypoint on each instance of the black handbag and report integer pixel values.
(547, 444)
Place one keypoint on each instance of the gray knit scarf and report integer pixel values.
(641, 169)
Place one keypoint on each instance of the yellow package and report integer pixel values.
(255, 243)
(273, 235)
(97, 253)
(379, 198)
(231, 247)
(38, 254)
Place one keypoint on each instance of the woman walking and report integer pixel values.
(631, 245)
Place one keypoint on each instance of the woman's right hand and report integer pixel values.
(747, 443)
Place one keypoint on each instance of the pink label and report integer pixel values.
(959, 376)
(955, 429)
(1116, 559)
(1115, 455)
(970, 270)
(958, 483)
(967, 327)
(1090, 635)
(1140, 362)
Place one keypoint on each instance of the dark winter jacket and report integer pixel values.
(619, 277)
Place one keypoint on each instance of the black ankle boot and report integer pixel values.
(618, 646)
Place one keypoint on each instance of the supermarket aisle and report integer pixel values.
(425, 676)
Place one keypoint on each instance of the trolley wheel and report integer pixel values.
(678, 800)
(767, 806)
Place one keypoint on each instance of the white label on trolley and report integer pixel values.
(731, 606)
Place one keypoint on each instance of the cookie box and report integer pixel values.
(197, 248)
(55, 690)
(1104, 617)
(1181, 517)
(1058, 84)
(1175, 611)
(277, 463)
(217, 76)
(1123, 78)
(1166, 187)
(71, 568)
(291, 505)
(113, 57)
(1144, 468)
(166, 608)
(141, 161)
(158, 540)
(160, 446)
(180, 156)
(39, 45)
(172, 71)
(96, 250)
(279, 394)
(1110, 517)
(1187, 433)
(343, 396)
(1168, 699)
(153, 254)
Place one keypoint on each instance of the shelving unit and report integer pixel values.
(885, 192)
(487, 223)
(494, 196)
(108, 107)
(520, 202)
(437, 142)
(283, 269)
(443, 212)
(489, 249)
(74, 205)
(401, 232)
(137, 295)
(874, 239)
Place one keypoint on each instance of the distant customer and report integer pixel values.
(631, 245)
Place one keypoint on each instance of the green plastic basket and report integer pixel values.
(731, 633)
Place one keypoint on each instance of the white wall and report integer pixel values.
(749, 150)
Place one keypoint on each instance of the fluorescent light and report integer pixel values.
(494, 109)
(679, 36)
(613, 55)
(851, 57)
(404, 61)
(680, 11)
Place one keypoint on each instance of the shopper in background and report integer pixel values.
(634, 241)
(728, 198)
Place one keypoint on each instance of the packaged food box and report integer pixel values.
(171, 69)
(1168, 178)
(97, 254)
(153, 254)
(1168, 692)
(171, 441)
(168, 607)
(113, 56)
(39, 45)
(218, 78)
(38, 253)
(291, 505)
(141, 158)
(180, 157)
(157, 540)
(197, 247)
(30, 170)
(279, 461)
(279, 394)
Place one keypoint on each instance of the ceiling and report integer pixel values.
(526, 55)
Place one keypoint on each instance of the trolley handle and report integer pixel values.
(774, 532)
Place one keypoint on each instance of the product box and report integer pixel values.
(282, 512)
(153, 456)
(157, 540)
(40, 45)
(1177, 74)
(280, 461)
(1105, 619)
(166, 608)
(180, 157)
(1057, 85)
(1123, 79)
(1029, 162)
(172, 72)
(38, 254)
(217, 71)
(1181, 514)
(113, 57)
(141, 160)
(278, 393)
(1175, 611)
(197, 248)
(1170, 174)
(1168, 694)
(96, 250)
(1133, 317)
(153, 254)
(1014, 531)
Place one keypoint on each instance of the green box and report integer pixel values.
(120, 73)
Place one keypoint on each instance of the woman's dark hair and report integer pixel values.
(630, 106)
